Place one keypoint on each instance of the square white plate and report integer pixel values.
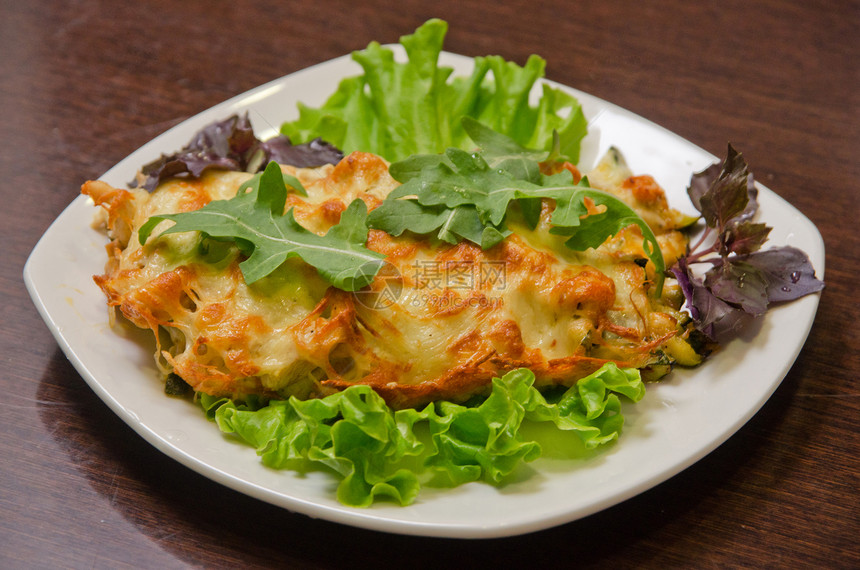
(678, 422)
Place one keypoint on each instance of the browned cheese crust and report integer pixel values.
(438, 322)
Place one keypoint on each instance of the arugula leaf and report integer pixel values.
(742, 281)
(254, 219)
(466, 195)
(466, 178)
(451, 225)
(399, 109)
(290, 182)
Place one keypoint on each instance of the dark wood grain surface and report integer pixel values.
(84, 83)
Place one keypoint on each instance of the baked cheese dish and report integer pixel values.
(438, 322)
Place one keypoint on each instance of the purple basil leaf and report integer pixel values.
(714, 317)
(220, 144)
(739, 283)
(197, 162)
(744, 280)
(685, 279)
(314, 153)
(701, 182)
(752, 203)
(788, 272)
(231, 145)
(745, 237)
(231, 137)
(718, 319)
(728, 195)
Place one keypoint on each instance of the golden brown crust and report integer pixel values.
(460, 315)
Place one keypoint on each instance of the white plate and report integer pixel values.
(678, 422)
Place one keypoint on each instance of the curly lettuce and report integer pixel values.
(380, 453)
(399, 109)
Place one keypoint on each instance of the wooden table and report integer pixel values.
(83, 84)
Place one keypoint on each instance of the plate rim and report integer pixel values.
(370, 518)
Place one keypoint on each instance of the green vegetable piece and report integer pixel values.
(176, 386)
(352, 433)
(399, 109)
(377, 453)
(466, 195)
(255, 221)
(590, 407)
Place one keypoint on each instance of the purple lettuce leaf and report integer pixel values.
(231, 145)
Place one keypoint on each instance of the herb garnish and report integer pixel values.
(256, 222)
(232, 145)
(465, 195)
(742, 281)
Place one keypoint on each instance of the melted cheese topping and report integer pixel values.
(438, 322)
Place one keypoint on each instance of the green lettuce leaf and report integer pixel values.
(353, 433)
(381, 453)
(399, 109)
